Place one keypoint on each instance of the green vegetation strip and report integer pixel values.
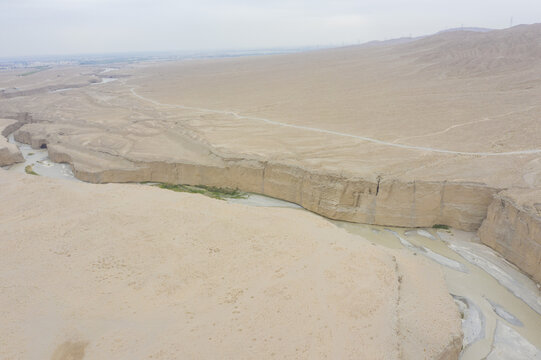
(28, 169)
(210, 191)
(37, 69)
(440, 226)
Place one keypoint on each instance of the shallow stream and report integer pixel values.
(501, 307)
(40, 163)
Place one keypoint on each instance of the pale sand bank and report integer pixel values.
(122, 271)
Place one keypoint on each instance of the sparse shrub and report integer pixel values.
(28, 169)
(210, 191)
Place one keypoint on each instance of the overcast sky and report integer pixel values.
(47, 27)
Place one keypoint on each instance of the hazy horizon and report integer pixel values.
(84, 27)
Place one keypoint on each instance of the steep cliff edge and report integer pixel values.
(513, 228)
(340, 196)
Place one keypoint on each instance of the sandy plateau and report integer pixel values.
(440, 130)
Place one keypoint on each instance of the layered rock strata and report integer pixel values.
(513, 228)
(381, 201)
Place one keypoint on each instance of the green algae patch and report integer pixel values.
(29, 170)
(210, 191)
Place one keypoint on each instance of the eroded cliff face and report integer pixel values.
(513, 228)
(509, 229)
(9, 153)
(351, 198)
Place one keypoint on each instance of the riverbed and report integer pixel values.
(501, 307)
(38, 160)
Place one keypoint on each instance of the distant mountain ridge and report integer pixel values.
(406, 39)
(473, 29)
(479, 52)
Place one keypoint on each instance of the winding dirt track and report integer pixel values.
(308, 128)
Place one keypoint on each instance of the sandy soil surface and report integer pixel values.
(131, 271)
(458, 106)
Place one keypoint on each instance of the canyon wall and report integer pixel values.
(510, 229)
(513, 228)
(382, 202)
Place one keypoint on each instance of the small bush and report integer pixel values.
(28, 169)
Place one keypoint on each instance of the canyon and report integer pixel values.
(414, 134)
(440, 131)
